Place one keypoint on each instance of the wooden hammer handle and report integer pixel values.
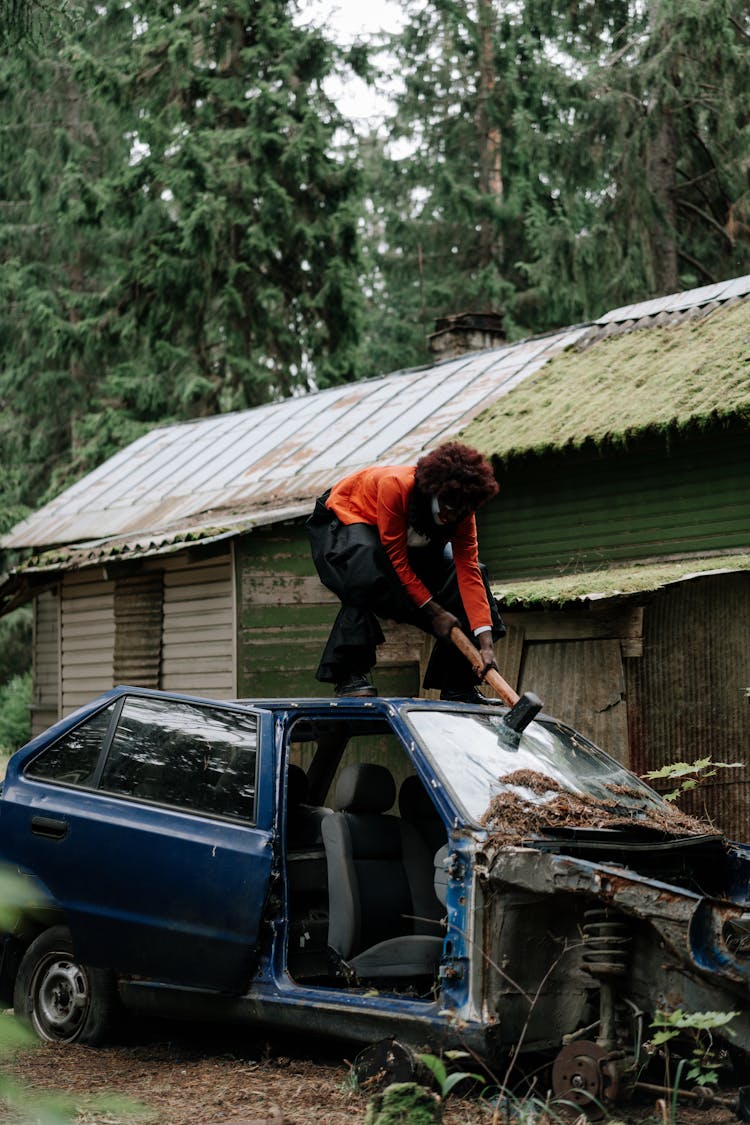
(493, 678)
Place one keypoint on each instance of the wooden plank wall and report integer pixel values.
(46, 701)
(567, 512)
(285, 614)
(138, 630)
(198, 629)
(574, 660)
(87, 631)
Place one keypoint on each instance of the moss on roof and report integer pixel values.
(658, 378)
(609, 582)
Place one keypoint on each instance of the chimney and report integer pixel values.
(466, 332)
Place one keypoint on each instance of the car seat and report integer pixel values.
(383, 911)
(416, 807)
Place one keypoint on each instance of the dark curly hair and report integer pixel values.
(458, 475)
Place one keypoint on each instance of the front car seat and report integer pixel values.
(383, 911)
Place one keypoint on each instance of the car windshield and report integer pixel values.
(478, 757)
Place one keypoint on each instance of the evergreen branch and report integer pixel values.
(695, 179)
(735, 22)
(697, 265)
(686, 205)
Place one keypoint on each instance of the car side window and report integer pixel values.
(72, 759)
(184, 755)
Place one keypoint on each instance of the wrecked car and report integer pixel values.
(367, 868)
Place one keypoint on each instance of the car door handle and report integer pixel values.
(49, 827)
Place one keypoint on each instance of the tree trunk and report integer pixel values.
(490, 136)
(661, 171)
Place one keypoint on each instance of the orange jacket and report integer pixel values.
(380, 496)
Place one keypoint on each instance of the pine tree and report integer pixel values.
(448, 221)
(244, 255)
(562, 158)
(179, 232)
(651, 188)
(58, 255)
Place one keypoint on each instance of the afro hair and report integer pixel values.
(457, 475)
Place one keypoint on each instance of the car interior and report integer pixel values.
(361, 848)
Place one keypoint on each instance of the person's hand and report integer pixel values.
(441, 622)
(487, 653)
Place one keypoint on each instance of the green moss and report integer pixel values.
(404, 1103)
(692, 373)
(609, 581)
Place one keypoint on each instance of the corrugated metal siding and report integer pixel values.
(198, 627)
(688, 692)
(583, 684)
(138, 630)
(88, 629)
(45, 707)
(577, 512)
(284, 616)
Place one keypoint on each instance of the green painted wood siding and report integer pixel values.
(284, 615)
(564, 513)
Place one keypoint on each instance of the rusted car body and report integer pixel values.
(241, 862)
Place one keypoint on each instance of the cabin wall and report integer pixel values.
(687, 697)
(198, 655)
(659, 679)
(657, 498)
(285, 614)
(46, 661)
(653, 678)
(575, 661)
(163, 623)
(87, 637)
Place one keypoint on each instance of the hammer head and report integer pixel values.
(521, 713)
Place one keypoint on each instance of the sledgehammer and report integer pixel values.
(523, 708)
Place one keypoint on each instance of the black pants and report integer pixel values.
(352, 562)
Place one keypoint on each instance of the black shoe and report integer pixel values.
(468, 695)
(356, 684)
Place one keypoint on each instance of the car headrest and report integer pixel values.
(365, 788)
(297, 785)
(414, 802)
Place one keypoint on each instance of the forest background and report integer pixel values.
(189, 224)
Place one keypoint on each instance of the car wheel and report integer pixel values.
(62, 1000)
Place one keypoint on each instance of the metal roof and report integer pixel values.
(722, 292)
(215, 477)
(260, 465)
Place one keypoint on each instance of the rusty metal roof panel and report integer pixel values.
(282, 453)
(720, 291)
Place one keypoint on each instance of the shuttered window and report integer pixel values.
(138, 630)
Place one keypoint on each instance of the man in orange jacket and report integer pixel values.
(400, 542)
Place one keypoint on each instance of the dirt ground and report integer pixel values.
(182, 1076)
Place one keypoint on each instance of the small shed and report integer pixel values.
(619, 542)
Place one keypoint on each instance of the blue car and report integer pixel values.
(439, 874)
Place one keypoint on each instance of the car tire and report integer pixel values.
(60, 999)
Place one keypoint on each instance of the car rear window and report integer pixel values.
(184, 755)
(72, 759)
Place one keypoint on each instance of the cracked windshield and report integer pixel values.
(478, 756)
